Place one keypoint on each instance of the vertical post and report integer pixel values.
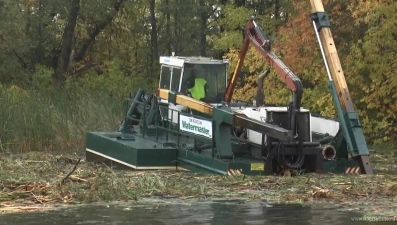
(177, 151)
(212, 140)
(144, 119)
(177, 129)
(259, 90)
(348, 117)
(131, 110)
(156, 123)
(323, 28)
(169, 123)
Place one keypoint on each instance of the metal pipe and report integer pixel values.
(329, 152)
(295, 143)
(322, 51)
(238, 104)
(202, 147)
(271, 130)
(325, 140)
(259, 91)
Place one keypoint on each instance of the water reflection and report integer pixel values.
(217, 213)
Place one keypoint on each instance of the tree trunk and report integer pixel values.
(101, 25)
(38, 59)
(176, 37)
(67, 52)
(239, 3)
(277, 12)
(154, 43)
(67, 48)
(203, 29)
(168, 27)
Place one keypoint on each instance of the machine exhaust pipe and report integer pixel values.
(329, 152)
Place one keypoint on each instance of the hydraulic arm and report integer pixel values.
(236, 119)
(253, 35)
(350, 137)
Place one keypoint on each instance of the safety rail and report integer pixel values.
(131, 111)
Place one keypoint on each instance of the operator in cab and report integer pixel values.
(197, 86)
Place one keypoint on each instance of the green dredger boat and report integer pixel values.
(171, 130)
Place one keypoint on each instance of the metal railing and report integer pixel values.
(130, 112)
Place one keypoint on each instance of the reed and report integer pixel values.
(54, 120)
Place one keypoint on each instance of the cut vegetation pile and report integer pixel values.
(34, 180)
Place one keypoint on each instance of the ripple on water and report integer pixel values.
(159, 213)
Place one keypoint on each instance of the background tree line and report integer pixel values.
(65, 65)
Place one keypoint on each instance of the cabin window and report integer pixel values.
(215, 76)
(216, 80)
(176, 78)
(165, 77)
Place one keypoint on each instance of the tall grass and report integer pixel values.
(55, 120)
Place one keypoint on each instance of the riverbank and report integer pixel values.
(37, 180)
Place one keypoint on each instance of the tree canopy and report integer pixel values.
(113, 46)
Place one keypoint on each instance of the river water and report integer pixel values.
(162, 213)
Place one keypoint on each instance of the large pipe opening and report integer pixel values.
(329, 152)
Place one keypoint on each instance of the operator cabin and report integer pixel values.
(201, 78)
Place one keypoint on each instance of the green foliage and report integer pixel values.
(119, 59)
(233, 19)
(372, 62)
(113, 82)
(42, 118)
(42, 78)
(33, 120)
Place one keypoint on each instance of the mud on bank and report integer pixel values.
(33, 181)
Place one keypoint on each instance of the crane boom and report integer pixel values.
(253, 35)
(350, 136)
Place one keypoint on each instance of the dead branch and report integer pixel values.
(70, 173)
